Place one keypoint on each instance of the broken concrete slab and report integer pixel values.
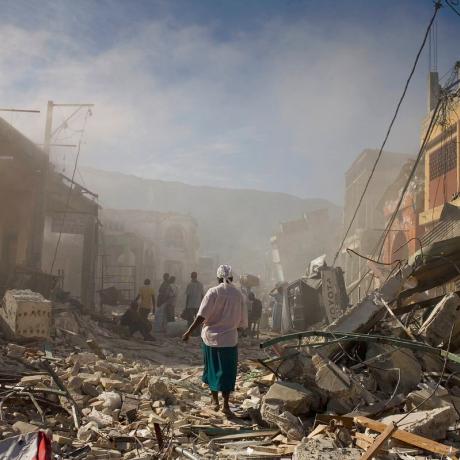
(273, 414)
(425, 399)
(291, 396)
(366, 313)
(431, 424)
(330, 377)
(396, 366)
(24, 427)
(436, 328)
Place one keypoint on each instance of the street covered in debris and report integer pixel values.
(382, 379)
(166, 315)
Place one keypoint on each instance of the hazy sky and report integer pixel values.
(273, 95)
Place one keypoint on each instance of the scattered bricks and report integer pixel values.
(32, 380)
(112, 384)
(292, 397)
(24, 427)
(93, 379)
(89, 389)
(62, 440)
(324, 449)
(15, 351)
(158, 389)
(83, 358)
(106, 367)
(435, 330)
(104, 454)
(130, 407)
(431, 424)
(74, 383)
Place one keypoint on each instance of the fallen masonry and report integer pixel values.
(377, 383)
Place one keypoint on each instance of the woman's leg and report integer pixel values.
(226, 408)
(215, 400)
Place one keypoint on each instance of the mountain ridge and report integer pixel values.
(236, 224)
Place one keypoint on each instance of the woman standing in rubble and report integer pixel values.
(221, 313)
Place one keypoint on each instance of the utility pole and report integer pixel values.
(38, 227)
(48, 126)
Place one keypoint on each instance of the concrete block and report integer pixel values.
(26, 314)
(330, 377)
(436, 329)
(431, 424)
(24, 427)
(292, 397)
(395, 365)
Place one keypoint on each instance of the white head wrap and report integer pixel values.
(224, 272)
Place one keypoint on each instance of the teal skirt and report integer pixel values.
(220, 366)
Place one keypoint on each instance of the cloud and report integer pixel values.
(284, 107)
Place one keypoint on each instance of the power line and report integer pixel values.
(452, 7)
(19, 110)
(443, 99)
(437, 6)
(429, 130)
(71, 186)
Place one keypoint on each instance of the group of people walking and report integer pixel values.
(221, 313)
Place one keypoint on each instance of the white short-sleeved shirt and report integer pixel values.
(223, 311)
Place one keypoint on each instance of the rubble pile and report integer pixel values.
(380, 382)
(94, 403)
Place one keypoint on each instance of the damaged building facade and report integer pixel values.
(145, 244)
(42, 215)
(370, 220)
(301, 240)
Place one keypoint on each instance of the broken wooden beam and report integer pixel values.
(379, 442)
(408, 438)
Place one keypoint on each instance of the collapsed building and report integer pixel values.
(44, 217)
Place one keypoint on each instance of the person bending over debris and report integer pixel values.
(136, 322)
(147, 297)
(222, 313)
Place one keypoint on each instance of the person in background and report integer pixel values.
(147, 299)
(136, 322)
(164, 296)
(193, 296)
(255, 313)
(171, 310)
(277, 309)
(247, 307)
(221, 313)
(164, 291)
